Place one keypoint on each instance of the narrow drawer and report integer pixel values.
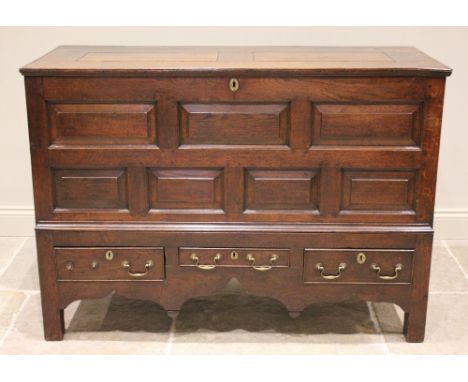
(109, 264)
(259, 259)
(358, 265)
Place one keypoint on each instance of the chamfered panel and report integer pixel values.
(378, 190)
(234, 124)
(102, 123)
(186, 189)
(90, 188)
(366, 124)
(282, 189)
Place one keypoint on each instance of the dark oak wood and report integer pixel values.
(234, 124)
(375, 190)
(90, 189)
(235, 257)
(293, 60)
(102, 124)
(367, 125)
(355, 272)
(271, 190)
(321, 154)
(185, 189)
(92, 264)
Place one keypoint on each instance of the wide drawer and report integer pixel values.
(358, 265)
(110, 264)
(258, 259)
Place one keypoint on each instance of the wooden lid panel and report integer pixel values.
(92, 60)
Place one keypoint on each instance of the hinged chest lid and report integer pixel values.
(290, 60)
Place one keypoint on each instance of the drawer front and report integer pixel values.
(234, 124)
(358, 266)
(249, 258)
(110, 264)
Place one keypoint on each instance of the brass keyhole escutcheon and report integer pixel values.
(109, 255)
(361, 258)
(234, 255)
(234, 84)
(69, 266)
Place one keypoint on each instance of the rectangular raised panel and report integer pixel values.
(234, 124)
(361, 124)
(167, 54)
(358, 272)
(323, 57)
(90, 189)
(186, 189)
(378, 190)
(102, 124)
(282, 190)
(94, 264)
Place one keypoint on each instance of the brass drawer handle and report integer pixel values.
(148, 265)
(320, 268)
(194, 257)
(375, 267)
(262, 268)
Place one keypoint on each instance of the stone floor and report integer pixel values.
(233, 323)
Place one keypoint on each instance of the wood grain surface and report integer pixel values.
(319, 155)
(105, 60)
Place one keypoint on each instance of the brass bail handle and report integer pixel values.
(262, 268)
(376, 268)
(321, 269)
(194, 257)
(148, 265)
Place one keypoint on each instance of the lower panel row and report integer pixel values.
(244, 192)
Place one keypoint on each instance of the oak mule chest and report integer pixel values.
(306, 174)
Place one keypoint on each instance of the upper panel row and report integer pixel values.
(168, 113)
(214, 124)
